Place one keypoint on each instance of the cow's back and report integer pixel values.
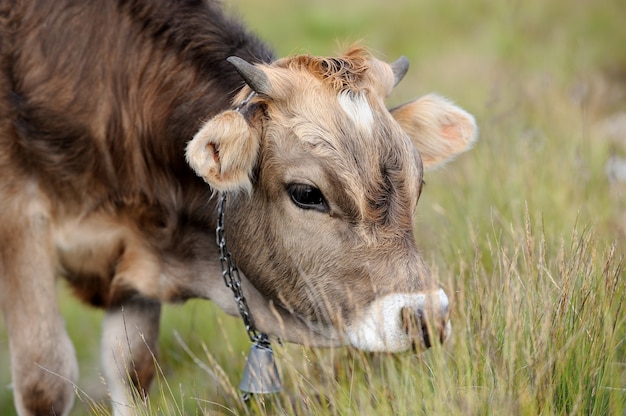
(99, 98)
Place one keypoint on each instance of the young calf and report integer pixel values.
(109, 112)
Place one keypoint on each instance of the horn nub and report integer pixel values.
(254, 77)
(399, 68)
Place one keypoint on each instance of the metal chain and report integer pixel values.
(232, 279)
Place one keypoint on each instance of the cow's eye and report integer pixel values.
(307, 197)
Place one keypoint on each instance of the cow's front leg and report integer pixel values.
(129, 347)
(43, 363)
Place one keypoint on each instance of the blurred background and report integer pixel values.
(535, 214)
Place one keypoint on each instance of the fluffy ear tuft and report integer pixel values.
(439, 129)
(224, 152)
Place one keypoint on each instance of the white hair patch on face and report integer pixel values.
(357, 108)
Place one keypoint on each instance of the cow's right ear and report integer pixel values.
(224, 152)
(439, 129)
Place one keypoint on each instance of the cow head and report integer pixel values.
(324, 181)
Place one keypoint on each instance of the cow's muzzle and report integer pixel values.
(399, 322)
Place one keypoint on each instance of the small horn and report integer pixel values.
(399, 68)
(254, 77)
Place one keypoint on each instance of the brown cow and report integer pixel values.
(102, 105)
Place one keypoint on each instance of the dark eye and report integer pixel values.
(307, 197)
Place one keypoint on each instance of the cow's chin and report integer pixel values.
(273, 319)
(297, 329)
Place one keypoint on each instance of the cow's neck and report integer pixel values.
(261, 375)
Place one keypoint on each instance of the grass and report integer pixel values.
(525, 231)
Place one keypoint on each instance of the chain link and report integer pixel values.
(232, 279)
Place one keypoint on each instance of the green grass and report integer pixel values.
(525, 231)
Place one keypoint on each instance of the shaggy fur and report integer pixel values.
(111, 115)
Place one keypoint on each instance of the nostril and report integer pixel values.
(425, 333)
(415, 325)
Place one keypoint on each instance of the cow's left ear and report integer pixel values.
(224, 152)
(439, 129)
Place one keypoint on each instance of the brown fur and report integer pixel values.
(101, 101)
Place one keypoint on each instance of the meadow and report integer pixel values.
(527, 231)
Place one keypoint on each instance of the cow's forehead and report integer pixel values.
(360, 149)
(336, 99)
